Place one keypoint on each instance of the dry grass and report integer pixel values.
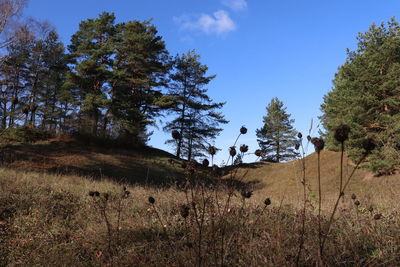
(69, 156)
(50, 219)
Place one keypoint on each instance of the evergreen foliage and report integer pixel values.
(277, 138)
(197, 118)
(92, 52)
(365, 96)
(112, 83)
(141, 66)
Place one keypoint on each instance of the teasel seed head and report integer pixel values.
(357, 203)
(297, 146)
(300, 135)
(353, 196)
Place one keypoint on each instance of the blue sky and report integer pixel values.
(259, 49)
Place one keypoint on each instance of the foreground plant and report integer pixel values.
(368, 145)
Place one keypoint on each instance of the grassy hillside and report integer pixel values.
(49, 218)
(70, 156)
(283, 180)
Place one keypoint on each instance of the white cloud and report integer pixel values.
(218, 23)
(235, 5)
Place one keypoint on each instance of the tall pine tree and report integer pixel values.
(92, 48)
(277, 137)
(141, 65)
(196, 116)
(365, 96)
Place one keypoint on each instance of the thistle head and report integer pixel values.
(152, 200)
(246, 193)
(318, 143)
(297, 146)
(212, 150)
(232, 151)
(243, 130)
(259, 153)
(244, 148)
(369, 145)
(342, 133)
(205, 163)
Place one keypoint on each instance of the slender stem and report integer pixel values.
(234, 144)
(341, 194)
(103, 211)
(303, 219)
(319, 204)
(237, 139)
(341, 167)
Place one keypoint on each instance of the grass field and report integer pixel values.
(47, 216)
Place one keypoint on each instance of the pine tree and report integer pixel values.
(15, 71)
(277, 137)
(92, 48)
(365, 96)
(32, 75)
(50, 96)
(197, 118)
(141, 65)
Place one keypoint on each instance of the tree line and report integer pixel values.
(114, 80)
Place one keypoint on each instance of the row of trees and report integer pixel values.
(114, 81)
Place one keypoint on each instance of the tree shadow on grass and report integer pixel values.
(145, 166)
